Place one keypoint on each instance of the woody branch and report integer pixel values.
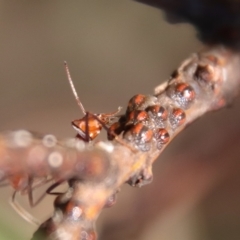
(211, 78)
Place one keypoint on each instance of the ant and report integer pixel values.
(90, 126)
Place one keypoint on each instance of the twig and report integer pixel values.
(204, 82)
(214, 77)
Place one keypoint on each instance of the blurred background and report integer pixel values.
(116, 49)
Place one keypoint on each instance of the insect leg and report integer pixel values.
(22, 212)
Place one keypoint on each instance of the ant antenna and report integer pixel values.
(73, 88)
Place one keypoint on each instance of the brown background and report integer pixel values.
(116, 49)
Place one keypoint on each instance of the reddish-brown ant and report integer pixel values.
(90, 126)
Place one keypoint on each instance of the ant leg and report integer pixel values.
(53, 186)
(41, 183)
(30, 191)
(22, 212)
(119, 140)
(113, 114)
(48, 191)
